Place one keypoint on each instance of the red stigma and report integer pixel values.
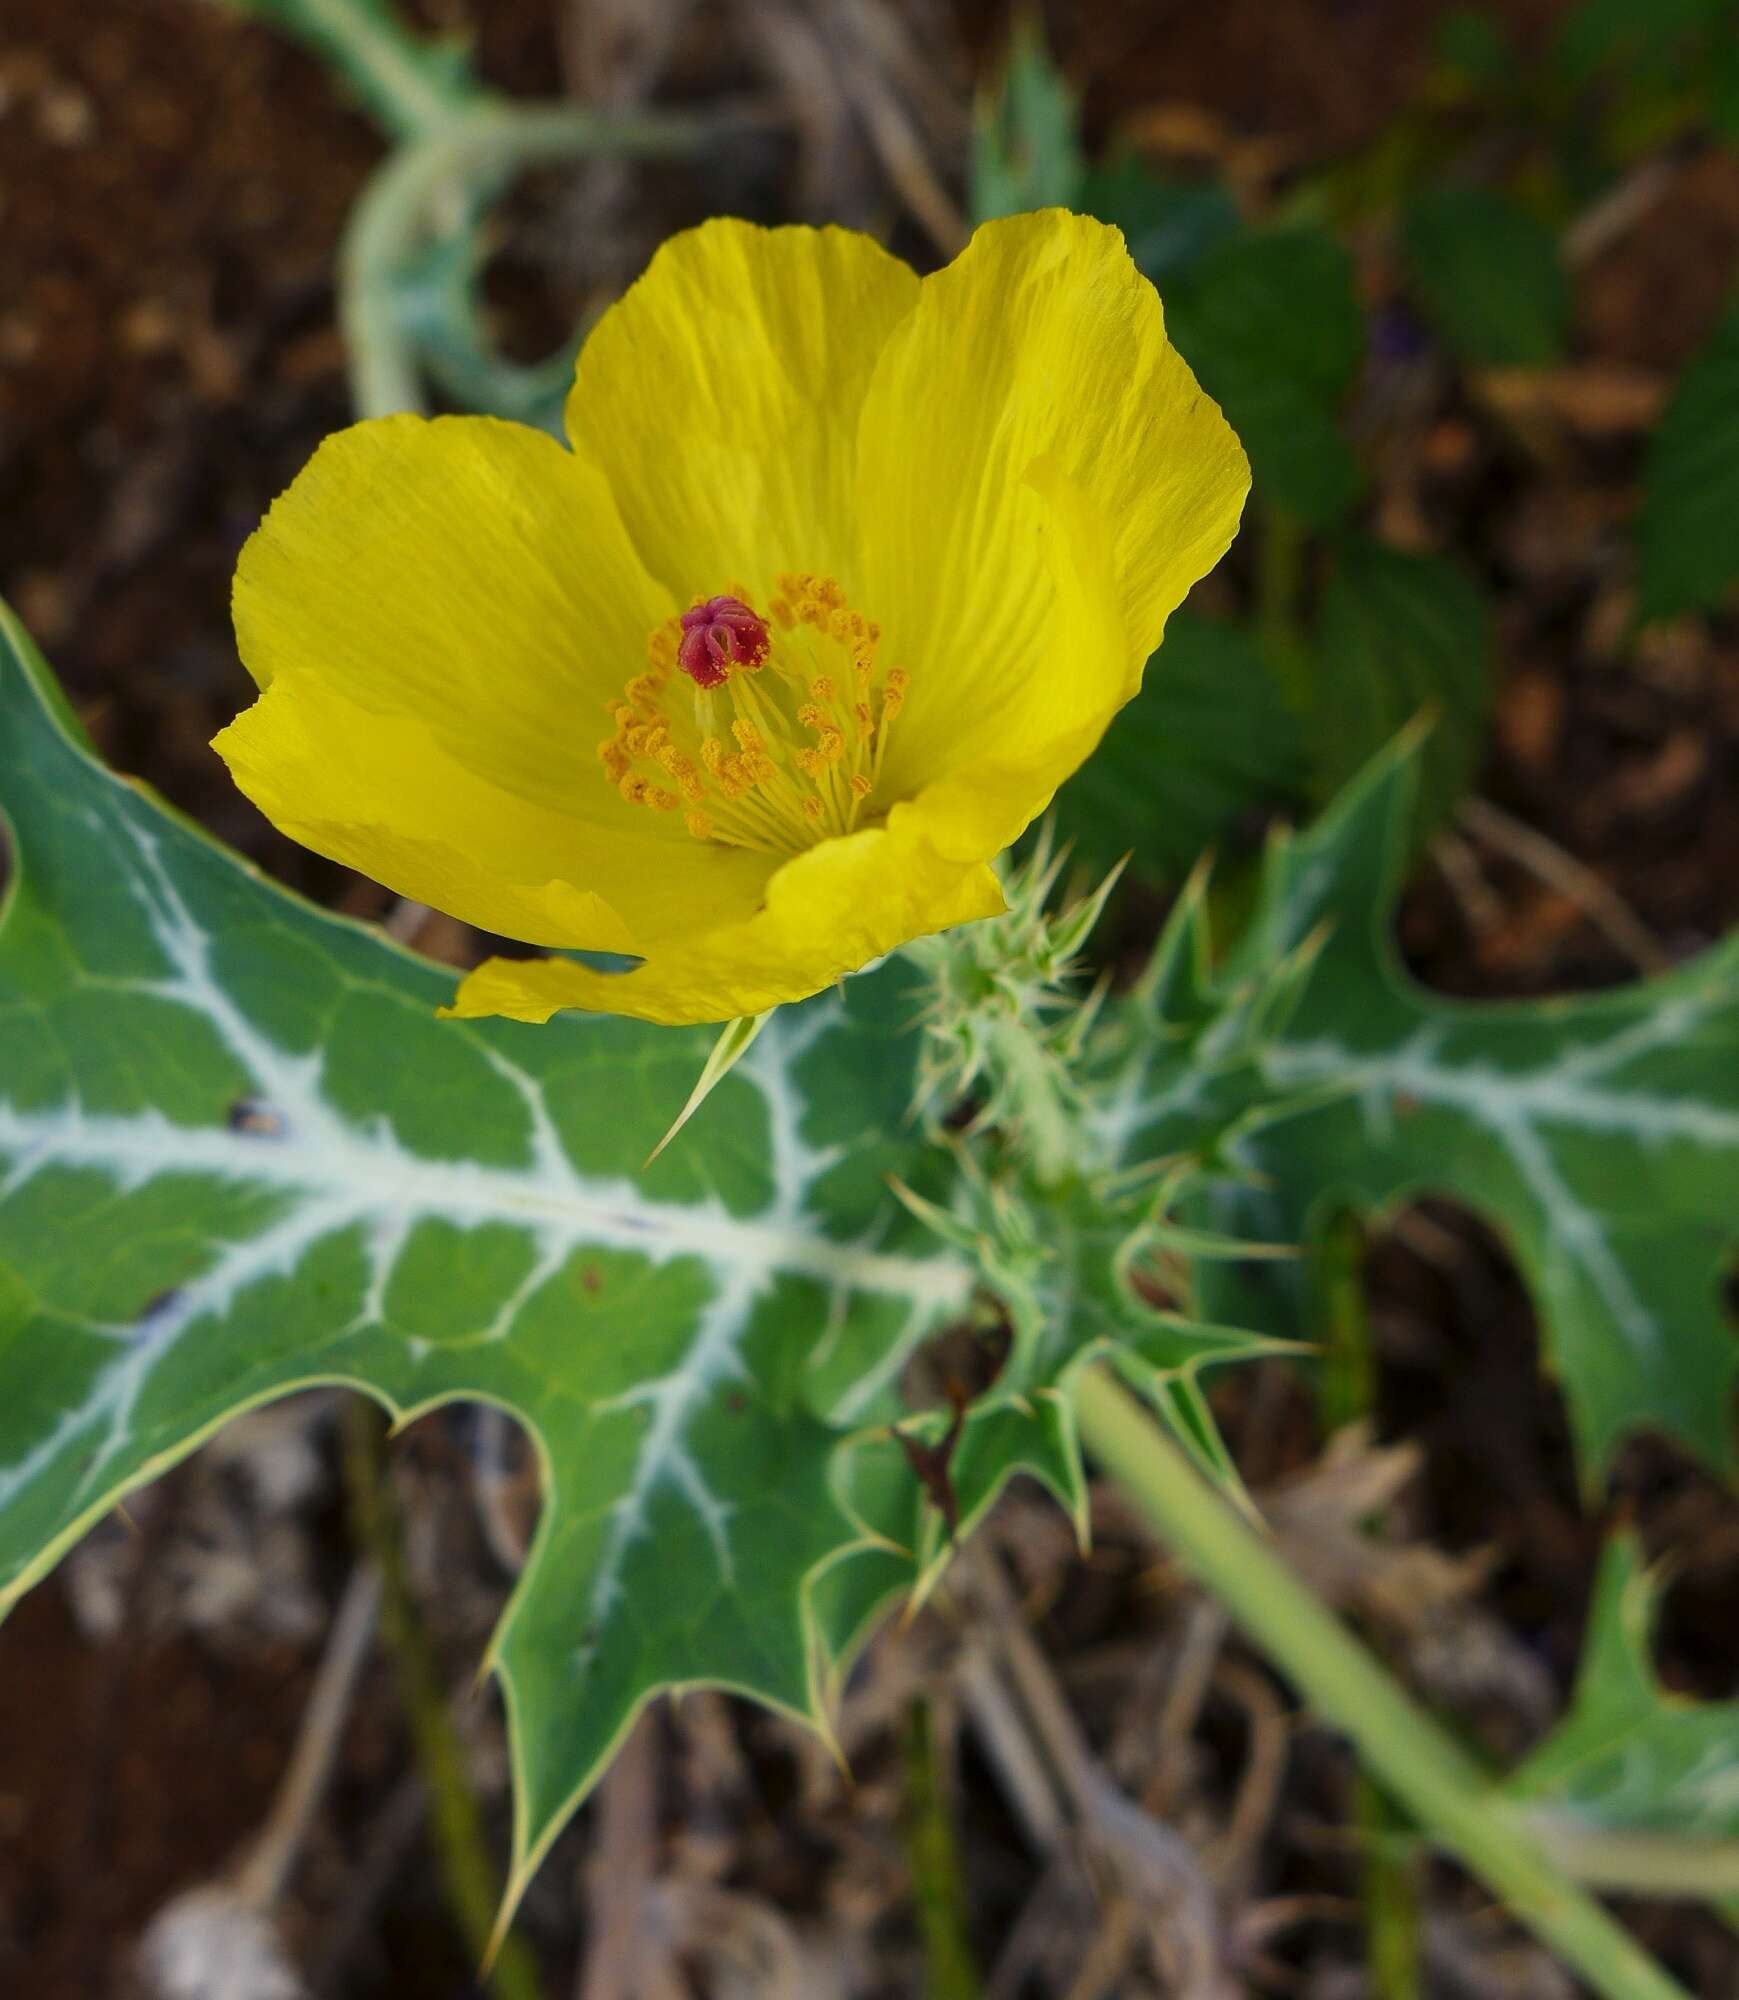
(720, 634)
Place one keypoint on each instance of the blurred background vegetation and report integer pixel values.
(1466, 280)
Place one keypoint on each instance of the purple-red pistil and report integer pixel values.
(720, 634)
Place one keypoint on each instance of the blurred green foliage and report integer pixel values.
(1400, 635)
(1269, 321)
(1026, 144)
(1441, 244)
(1489, 275)
(1690, 503)
(1208, 737)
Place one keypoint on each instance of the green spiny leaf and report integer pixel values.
(1629, 1755)
(1599, 1134)
(239, 1153)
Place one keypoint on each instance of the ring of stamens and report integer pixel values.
(768, 733)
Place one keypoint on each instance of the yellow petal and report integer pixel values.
(828, 912)
(721, 396)
(382, 793)
(1045, 480)
(467, 573)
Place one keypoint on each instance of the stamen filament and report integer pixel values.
(767, 734)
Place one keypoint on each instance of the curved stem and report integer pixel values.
(472, 149)
(1397, 1741)
(400, 76)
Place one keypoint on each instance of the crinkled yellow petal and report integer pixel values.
(467, 573)
(828, 912)
(1041, 480)
(383, 794)
(721, 397)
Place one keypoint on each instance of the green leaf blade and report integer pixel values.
(1270, 322)
(1209, 737)
(1399, 636)
(1688, 532)
(1629, 1756)
(1489, 276)
(291, 1172)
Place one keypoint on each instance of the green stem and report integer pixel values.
(937, 1881)
(1390, 1892)
(392, 217)
(472, 1884)
(1280, 544)
(1397, 1741)
(1346, 1380)
(1389, 1868)
(410, 85)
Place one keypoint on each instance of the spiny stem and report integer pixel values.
(1396, 1739)
(473, 1887)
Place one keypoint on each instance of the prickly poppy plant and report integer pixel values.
(836, 575)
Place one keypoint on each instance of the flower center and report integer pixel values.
(774, 734)
(717, 635)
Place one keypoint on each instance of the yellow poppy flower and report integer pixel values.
(845, 572)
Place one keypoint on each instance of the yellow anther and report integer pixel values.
(794, 759)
